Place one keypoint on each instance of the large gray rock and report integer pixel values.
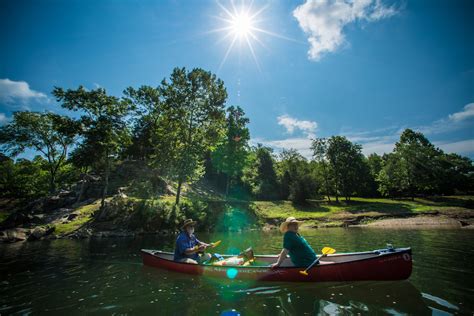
(40, 232)
(14, 235)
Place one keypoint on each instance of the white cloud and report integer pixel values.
(465, 147)
(378, 141)
(3, 119)
(301, 144)
(324, 20)
(291, 124)
(450, 123)
(466, 113)
(18, 91)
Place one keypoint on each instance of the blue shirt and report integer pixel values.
(183, 242)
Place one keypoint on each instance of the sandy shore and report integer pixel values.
(418, 221)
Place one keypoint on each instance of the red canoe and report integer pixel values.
(376, 265)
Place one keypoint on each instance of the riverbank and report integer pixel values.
(125, 216)
(452, 211)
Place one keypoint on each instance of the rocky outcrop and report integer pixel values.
(89, 187)
(14, 235)
(39, 232)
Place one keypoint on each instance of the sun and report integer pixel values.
(242, 24)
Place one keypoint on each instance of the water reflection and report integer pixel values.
(107, 276)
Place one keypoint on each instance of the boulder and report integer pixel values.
(40, 232)
(50, 203)
(13, 235)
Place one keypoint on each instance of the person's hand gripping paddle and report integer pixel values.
(326, 251)
(212, 245)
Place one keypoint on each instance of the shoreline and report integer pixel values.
(121, 217)
(19, 234)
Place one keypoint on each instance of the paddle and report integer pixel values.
(213, 245)
(326, 251)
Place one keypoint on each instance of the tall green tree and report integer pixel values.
(320, 149)
(372, 165)
(297, 183)
(193, 115)
(104, 131)
(230, 155)
(418, 162)
(392, 178)
(455, 174)
(345, 159)
(260, 174)
(48, 133)
(154, 137)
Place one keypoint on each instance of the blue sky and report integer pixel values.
(363, 69)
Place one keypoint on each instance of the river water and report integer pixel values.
(106, 276)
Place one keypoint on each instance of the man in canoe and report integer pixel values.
(188, 248)
(301, 253)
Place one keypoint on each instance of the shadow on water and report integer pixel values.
(106, 276)
(208, 296)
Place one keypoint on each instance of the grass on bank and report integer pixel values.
(319, 209)
(84, 215)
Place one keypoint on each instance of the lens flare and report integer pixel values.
(232, 273)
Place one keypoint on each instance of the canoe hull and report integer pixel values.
(384, 266)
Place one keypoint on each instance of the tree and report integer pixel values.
(320, 148)
(260, 175)
(48, 133)
(147, 134)
(230, 155)
(418, 162)
(455, 174)
(391, 178)
(345, 159)
(297, 183)
(104, 130)
(373, 163)
(193, 116)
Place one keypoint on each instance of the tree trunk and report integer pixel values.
(52, 182)
(227, 185)
(326, 181)
(104, 193)
(81, 191)
(178, 192)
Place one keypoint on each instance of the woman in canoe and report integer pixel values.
(188, 248)
(301, 253)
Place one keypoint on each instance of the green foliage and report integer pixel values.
(159, 214)
(24, 178)
(296, 179)
(346, 161)
(322, 167)
(230, 155)
(260, 175)
(178, 131)
(48, 133)
(85, 214)
(103, 128)
(193, 116)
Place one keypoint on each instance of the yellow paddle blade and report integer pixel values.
(328, 251)
(304, 273)
(215, 244)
